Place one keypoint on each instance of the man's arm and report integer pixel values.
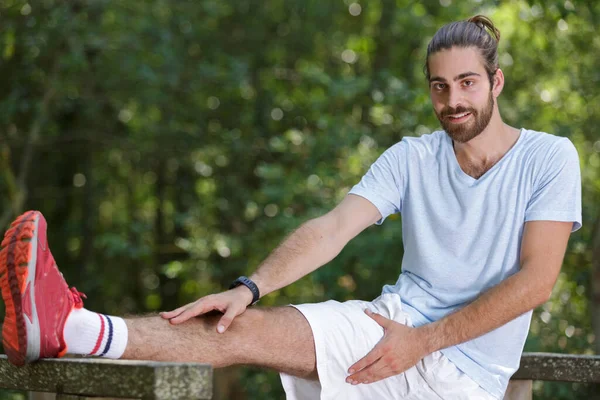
(314, 243)
(542, 251)
(543, 248)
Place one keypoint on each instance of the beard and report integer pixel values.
(467, 130)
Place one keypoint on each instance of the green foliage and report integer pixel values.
(175, 143)
(12, 395)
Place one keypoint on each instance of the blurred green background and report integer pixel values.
(172, 144)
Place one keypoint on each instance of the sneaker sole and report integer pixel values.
(18, 257)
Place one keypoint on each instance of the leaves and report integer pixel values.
(206, 131)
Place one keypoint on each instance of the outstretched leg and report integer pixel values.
(44, 319)
(278, 338)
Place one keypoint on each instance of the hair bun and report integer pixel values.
(485, 23)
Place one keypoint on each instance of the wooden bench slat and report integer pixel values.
(559, 367)
(96, 377)
(110, 378)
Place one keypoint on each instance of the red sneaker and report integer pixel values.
(37, 298)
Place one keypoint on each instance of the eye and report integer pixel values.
(468, 83)
(439, 86)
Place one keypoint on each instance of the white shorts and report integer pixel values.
(344, 334)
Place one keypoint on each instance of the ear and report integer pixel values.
(498, 83)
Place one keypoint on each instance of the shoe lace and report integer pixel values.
(77, 295)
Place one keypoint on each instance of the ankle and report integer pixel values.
(90, 333)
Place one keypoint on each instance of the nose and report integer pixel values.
(454, 98)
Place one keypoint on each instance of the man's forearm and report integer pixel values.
(514, 296)
(306, 249)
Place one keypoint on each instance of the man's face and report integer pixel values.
(460, 92)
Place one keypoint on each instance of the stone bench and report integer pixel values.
(75, 378)
(551, 367)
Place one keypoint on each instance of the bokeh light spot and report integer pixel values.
(349, 56)
(354, 9)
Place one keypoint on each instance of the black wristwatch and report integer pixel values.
(243, 280)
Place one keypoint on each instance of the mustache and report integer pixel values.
(458, 110)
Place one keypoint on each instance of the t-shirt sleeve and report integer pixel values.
(383, 184)
(557, 190)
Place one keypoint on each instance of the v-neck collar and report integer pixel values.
(468, 179)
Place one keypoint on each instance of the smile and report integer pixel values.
(456, 118)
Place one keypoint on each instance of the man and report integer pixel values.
(487, 210)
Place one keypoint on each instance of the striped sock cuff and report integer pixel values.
(100, 336)
(94, 334)
(110, 336)
(105, 336)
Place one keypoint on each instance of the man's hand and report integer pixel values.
(400, 348)
(231, 303)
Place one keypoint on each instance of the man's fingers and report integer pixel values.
(373, 373)
(191, 311)
(182, 317)
(226, 319)
(171, 314)
(230, 302)
(367, 360)
(368, 374)
(381, 320)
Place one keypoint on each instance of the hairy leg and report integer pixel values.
(279, 338)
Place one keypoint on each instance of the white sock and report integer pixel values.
(94, 334)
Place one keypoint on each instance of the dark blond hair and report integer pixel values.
(478, 31)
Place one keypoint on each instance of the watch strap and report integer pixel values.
(244, 280)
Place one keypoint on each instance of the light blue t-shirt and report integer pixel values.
(462, 235)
